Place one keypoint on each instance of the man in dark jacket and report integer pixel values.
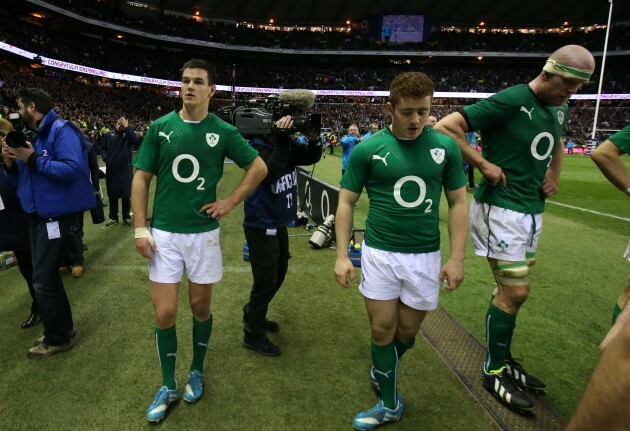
(14, 230)
(268, 211)
(74, 260)
(116, 153)
(53, 185)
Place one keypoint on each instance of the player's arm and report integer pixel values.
(552, 176)
(343, 230)
(254, 174)
(607, 157)
(139, 202)
(453, 269)
(455, 126)
(604, 404)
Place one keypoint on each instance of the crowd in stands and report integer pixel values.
(358, 39)
(100, 103)
(350, 73)
(100, 106)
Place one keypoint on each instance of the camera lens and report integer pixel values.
(16, 139)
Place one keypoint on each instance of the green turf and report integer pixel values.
(320, 381)
(107, 381)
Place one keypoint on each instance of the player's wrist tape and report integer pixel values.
(143, 232)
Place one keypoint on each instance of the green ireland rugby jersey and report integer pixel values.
(404, 180)
(622, 139)
(519, 134)
(187, 159)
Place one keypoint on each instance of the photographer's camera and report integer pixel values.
(323, 235)
(16, 139)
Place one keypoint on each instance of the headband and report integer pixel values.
(552, 66)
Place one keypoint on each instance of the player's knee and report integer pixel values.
(514, 296)
(201, 311)
(383, 334)
(407, 335)
(165, 317)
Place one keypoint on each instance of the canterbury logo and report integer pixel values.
(383, 159)
(529, 113)
(164, 135)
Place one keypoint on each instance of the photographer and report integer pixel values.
(14, 230)
(268, 211)
(53, 185)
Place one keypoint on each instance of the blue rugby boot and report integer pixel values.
(378, 415)
(194, 387)
(163, 398)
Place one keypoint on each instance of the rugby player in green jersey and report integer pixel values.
(403, 168)
(185, 150)
(522, 152)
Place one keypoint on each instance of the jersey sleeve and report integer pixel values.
(622, 139)
(487, 112)
(356, 173)
(238, 149)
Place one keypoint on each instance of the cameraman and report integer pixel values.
(268, 211)
(53, 185)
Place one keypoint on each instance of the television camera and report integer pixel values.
(260, 114)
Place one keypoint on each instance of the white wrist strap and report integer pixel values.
(143, 232)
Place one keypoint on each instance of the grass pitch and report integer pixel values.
(320, 382)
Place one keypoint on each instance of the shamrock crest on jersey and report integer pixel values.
(212, 139)
(438, 155)
(560, 116)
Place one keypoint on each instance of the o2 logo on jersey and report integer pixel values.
(534, 149)
(423, 192)
(193, 176)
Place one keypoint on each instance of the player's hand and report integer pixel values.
(549, 186)
(452, 274)
(343, 269)
(493, 173)
(144, 242)
(217, 209)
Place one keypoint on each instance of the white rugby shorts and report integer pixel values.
(199, 254)
(412, 277)
(503, 234)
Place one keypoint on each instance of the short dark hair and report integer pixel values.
(42, 100)
(197, 63)
(410, 84)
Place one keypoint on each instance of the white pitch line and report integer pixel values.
(590, 211)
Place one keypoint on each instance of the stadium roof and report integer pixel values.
(445, 12)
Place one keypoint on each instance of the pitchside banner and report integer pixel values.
(317, 198)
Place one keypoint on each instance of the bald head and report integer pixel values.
(431, 121)
(574, 56)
